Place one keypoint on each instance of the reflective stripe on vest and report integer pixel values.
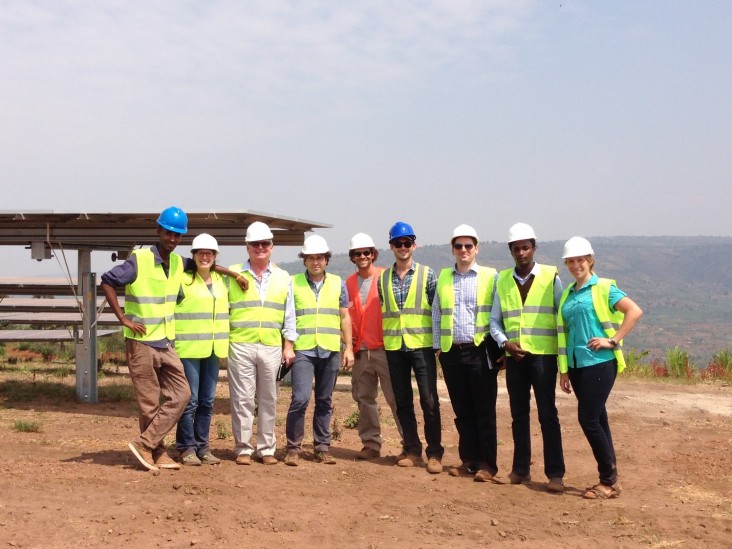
(150, 299)
(366, 320)
(252, 321)
(318, 321)
(484, 300)
(414, 322)
(202, 319)
(609, 319)
(532, 324)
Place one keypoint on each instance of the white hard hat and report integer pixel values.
(577, 247)
(314, 244)
(205, 242)
(464, 230)
(258, 231)
(520, 231)
(361, 240)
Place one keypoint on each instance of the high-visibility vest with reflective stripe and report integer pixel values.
(609, 319)
(484, 300)
(150, 299)
(532, 324)
(366, 321)
(252, 321)
(414, 322)
(202, 319)
(318, 320)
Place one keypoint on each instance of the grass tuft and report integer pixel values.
(23, 426)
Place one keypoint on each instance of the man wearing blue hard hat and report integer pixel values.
(151, 278)
(406, 291)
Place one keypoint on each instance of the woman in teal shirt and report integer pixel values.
(594, 316)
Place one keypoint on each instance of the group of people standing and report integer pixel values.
(387, 325)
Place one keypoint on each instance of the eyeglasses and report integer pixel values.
(260, 244)
(315, 258)
(365, 253)
(205, 253)
(403, 243)
(459, 246)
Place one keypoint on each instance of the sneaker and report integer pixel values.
(407, 460)
(143, 456)
(269, 460)
(292, 458)
(325, 457)
(207, 458)
(465, 469)
(434, 466)
(515, 478)
(163, 461)
(368, 453)
(243, 459)
(555, 485)
(190, 458)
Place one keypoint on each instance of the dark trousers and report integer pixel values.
(540, 373)
(592, 386)
(473, 389)
(422, 361)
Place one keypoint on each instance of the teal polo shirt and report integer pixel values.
(581, 324)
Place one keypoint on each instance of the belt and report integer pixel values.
(463, 346)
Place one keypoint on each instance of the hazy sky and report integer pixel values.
(591, 118)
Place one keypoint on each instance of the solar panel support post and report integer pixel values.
(86, 345)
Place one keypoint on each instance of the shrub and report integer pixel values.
(222, 430)
(678, 364)
(720, 367)
(351, 422)
(23, 426)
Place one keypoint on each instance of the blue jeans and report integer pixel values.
(473, 389)
(195, 423)
(325, 372)
(592, 386)
(540, 373)
(422, 361)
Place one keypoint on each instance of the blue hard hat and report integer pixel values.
(174, 219)
(401, 229)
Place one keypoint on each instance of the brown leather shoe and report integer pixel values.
(292, 458)
(555, 486)
(163, 461)
(515, 478)
(269, 460)
(434, 466)
(325, 457)
(465, 469)
(368, 453)
(407, 460)
(483, 475)
(243, 459)
(143, 456)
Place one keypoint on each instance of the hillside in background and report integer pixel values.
(683, 284)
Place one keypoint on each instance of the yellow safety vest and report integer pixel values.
(609, 319)
(533, 324)
(484, 301)
(202, 319)
(252, 321)
(150, 299)
(414, 322)
(318, 321)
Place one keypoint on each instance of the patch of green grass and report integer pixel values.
(222, 430)
(351, 422)
(62, 372)
(117, 393)
(22, 391)
(23, 426)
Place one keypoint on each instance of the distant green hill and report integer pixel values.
(683, 284)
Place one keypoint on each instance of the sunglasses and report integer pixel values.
(260, 244)
(403, 243)
(459, 246)
(365, 253)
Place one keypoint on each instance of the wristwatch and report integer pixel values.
(612, 342)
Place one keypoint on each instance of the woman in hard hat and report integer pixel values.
(594, 317)
(201, 340)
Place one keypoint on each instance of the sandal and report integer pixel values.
(601, 491)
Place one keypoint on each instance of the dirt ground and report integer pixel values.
(74, 483)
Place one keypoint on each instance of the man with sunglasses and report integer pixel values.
(460, 321)
(406, 292)
(524, 324)
(262, 336)
(370, 366)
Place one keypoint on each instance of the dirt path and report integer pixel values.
(75, 484)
